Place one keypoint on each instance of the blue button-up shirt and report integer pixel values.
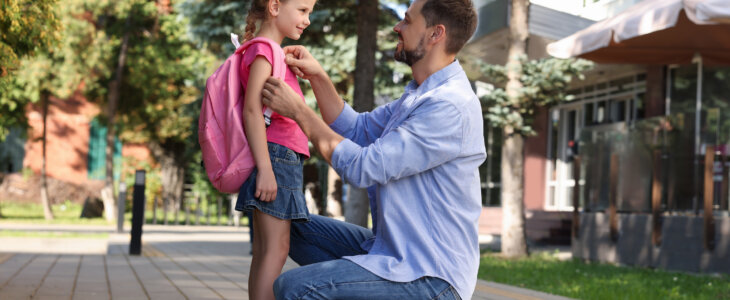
(420, 156)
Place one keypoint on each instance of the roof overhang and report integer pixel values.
(491, 39)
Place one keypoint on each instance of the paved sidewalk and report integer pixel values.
(177, 262)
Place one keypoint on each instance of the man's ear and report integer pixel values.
(273, 7)
(438, 33)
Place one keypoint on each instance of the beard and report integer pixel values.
(410, 57)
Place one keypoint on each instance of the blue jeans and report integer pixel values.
(319, 245)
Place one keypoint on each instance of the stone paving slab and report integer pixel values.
(177, 262)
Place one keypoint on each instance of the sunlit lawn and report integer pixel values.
(33, 213)
(70, 213)
(580, 280)
(53, 234)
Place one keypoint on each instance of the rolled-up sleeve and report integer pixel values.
(430, 136)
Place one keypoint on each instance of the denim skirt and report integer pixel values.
(289, 203)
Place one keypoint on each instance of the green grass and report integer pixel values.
(32, 213)
(580, 280)
(69, 214)
(47, 234)
(181, 218)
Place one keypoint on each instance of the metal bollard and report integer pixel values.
(135, 245)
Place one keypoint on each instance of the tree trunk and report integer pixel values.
(172, 168)
(513, 207)
(47, 212)
(107, 193)
(367, 29)
(357, 205)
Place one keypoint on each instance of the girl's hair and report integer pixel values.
(258, 11)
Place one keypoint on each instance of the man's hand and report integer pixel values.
(302, 63)
(280, 97)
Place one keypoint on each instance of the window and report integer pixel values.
(97, 152)
(490, 170)
(12, 151)
(601, 105)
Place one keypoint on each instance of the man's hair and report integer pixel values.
(458, 16)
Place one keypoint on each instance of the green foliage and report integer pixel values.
(153, 182)
(544, 82)
(212, 22)
(61, 67)
(161, 82)
(332, 39)
(26, 27)
(579, 280)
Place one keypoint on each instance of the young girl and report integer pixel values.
(274, 190)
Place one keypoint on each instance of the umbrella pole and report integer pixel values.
(698, 146)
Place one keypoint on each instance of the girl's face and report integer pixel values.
(293, 17)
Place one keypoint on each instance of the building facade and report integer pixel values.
(637, 164)
(75, 144)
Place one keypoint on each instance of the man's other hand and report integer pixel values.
(280, 97)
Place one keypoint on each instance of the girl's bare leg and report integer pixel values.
(270, 249)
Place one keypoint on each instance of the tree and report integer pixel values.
(356, 208)
(161, 68)
(107, 193)
(47, 212)
(26, 26)
(513, 207)
(542, 83)
(160, 91)
(60, 70)
(29, 28)
(135, 59)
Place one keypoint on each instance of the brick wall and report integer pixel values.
(67, 146)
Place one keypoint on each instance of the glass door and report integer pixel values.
(563, 136)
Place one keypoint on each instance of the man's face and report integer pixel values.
(411, 35)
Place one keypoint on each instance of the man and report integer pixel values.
(418, 155)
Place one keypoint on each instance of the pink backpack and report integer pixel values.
(226, 154)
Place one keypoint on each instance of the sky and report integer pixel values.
(399, 8)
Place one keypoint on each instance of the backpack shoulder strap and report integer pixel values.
(278, 64)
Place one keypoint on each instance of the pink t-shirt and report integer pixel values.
(282, 131)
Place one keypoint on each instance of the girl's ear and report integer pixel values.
(273, 7)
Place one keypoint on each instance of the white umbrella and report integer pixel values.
(655, 32)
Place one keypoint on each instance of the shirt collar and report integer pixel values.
(435, 79)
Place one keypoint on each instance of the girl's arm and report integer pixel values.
(255, 129)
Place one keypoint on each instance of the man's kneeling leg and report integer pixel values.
(343, 279)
